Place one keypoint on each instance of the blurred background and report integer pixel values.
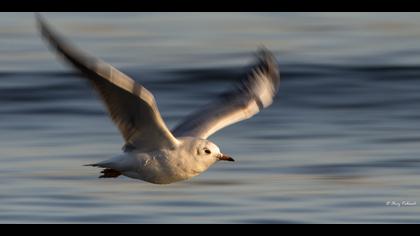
(340, 144)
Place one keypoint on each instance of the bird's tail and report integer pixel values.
(106, 172)
(109, 173)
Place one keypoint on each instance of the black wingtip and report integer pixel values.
(263, 50)
(40, 20)
(42, 25)
(266, 59)
(38, 16)
(91, 165)
(267, 63)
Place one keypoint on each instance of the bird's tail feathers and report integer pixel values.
(106, 172)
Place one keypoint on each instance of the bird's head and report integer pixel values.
(204, 153)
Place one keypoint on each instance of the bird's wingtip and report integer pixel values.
(39, 18)
(267, 63)
(91, 165)
(41, 23)
(265, 56)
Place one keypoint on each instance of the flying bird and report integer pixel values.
(152, 152)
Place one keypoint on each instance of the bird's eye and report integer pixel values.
(207, 151)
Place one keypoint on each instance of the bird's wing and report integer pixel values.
(131, 106)
(255, 92)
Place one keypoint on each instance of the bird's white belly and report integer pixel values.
(155, 168)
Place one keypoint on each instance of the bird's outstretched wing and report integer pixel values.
(131, 106)
(254, 93)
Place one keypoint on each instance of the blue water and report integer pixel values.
(340, 141)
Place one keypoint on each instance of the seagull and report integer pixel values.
(152, 152)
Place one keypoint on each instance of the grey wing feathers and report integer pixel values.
(131, 106)
(254, 93)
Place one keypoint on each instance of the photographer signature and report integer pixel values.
(401, 203)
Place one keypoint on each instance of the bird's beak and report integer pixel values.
(223, 157)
